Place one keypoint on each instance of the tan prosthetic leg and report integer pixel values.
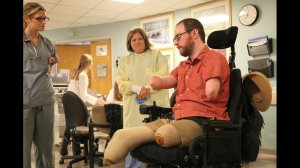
(124, 140)
(178, 132)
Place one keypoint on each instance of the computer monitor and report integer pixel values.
(60, 79)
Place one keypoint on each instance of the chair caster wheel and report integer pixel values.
(69, 166)
(61, 161)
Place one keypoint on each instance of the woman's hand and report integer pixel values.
(143, 93)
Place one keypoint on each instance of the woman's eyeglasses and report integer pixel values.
(41, 19)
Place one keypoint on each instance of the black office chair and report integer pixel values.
(113, 116)
(220, 145)
(76, 116)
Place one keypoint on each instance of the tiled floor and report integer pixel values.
(80, 164)
(263, 161)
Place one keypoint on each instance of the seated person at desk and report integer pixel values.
(79, 84)
(114, 94)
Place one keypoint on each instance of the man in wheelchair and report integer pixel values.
(202, 83)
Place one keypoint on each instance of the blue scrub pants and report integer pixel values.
(131, 162)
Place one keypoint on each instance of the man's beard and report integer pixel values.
(187, 49)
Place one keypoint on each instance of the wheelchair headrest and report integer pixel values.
(223, 38)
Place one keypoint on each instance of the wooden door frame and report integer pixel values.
(92, 39)
(63, 42)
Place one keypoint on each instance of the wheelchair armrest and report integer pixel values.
(155, 112)
(220, 124)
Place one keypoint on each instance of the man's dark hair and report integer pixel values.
(190, 24)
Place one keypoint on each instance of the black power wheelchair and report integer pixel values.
(220, 145)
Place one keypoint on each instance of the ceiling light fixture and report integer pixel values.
(130, 1)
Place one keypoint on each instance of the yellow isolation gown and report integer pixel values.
(135, 69)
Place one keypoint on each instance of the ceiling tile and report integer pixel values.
(145, 10)
(90, 21)
(62, 18)
(74, 13)
(125, 16)
(101, 14)
(161, 3)
(114, 6)
(81, 3)
(42, 1)
(68, 10)
(189, 3)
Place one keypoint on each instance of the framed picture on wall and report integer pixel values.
(214, 16)
(101, 50)
(159, 29)
(169, 53)
(101, 70)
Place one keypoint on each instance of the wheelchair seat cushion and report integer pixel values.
(153, 153)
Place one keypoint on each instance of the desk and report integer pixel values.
(98, 117)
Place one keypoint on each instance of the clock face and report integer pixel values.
(248, 15)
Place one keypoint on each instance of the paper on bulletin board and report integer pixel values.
(101, 70)
(101, 50)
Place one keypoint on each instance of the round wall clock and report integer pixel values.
(248, 14)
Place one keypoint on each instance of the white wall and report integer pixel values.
(265, 25)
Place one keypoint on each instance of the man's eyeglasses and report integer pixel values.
(40, 19)
(178, 36)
